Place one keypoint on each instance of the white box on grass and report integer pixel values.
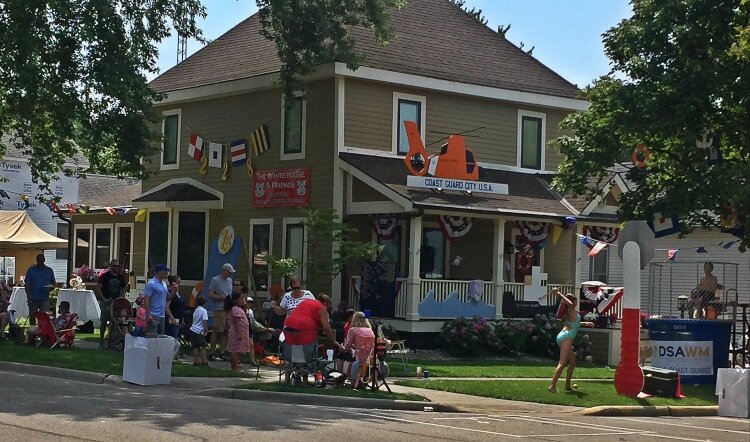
(148, 361)
(733, 389)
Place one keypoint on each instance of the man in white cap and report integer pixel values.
(218, 289)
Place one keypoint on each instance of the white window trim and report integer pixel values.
(169, 238)
(117, 243)
(166, 114)
(591, 268)
(293, 156)
(422, 100)
(76, 228)
(367, 207)
(253, 223)
(519, 137)
(433, 225)
(95, 244)
(174, 229)
(285, 223)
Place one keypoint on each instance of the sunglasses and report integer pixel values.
(296, 288)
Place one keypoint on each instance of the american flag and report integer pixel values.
(238, 150)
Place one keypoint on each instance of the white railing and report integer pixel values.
(517, 289)
(402, 289)
(442, 288)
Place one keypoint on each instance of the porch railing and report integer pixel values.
(517, 289)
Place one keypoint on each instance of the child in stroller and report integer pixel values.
(122, 311)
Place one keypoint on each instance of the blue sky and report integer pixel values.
(566, 34)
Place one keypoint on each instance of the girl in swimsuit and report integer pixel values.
(565, 341)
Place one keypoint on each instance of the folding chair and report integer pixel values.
(51, 337)
(377, 378)
(399, 347)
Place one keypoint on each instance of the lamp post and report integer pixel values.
(682, 305)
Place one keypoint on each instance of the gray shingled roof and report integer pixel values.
(107, 191)
(526, 192)
(177, 192)
(434, 39)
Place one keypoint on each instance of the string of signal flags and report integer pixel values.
(26, 202)
(226, 156)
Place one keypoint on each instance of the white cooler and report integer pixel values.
(148, 361)
(733, 389)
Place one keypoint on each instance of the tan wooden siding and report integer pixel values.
(361, 192)
(558, 259)
(369, 121)
(226, 119)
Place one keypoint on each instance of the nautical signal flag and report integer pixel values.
(238, 150)
(111, 210)
(261, 140)
(71, 208)
(195, 147)
(141, 216)
(83, 208)
(215, 151)
(53, 207)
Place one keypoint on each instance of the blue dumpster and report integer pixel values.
(696, 348)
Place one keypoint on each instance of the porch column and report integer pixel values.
(577, 257)
(413, 281)
(498, 257)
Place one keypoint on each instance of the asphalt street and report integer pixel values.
(42, 408)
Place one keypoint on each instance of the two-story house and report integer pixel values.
(343, 137)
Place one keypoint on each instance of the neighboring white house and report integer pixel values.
(16, 181)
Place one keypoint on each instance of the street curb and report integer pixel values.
(655, 411)
(55, 372)
(323, 400)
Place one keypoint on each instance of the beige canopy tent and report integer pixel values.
(18, 232)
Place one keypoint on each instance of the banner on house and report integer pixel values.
(281, 188)
(426, 182)
(688, 358)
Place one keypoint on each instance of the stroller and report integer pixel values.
(122, 314)
(51, 337)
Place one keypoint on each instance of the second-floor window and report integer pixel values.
(293, 128)
(406, 108)
(531, 140)
(170, 140)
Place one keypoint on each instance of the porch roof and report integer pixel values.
(180, 193)
(528, 194)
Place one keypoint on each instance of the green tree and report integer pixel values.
(324, 229)
(308, 33)
(73, 72)
(72, 79)
(680, 81)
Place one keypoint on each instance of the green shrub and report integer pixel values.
(469, 337)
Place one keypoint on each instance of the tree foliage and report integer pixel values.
(308, 33)
(72, 79)
(324, 229)
(680, 80)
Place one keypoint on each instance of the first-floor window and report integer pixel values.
(260, 249)
(191, 239)
(124, 252)
(82, 247)
(432, 254)
(599, 266)
(103, 244)
(62, 233)
(391, 249)
(158, 238)
(295, 245)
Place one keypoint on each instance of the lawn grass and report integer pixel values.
(477, 368)
(96, 361)
(345, 392)
(590, 393)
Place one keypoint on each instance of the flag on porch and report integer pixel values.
(261, 140)
(597, 248)
(238, 151)
(195, 147)
(141, 215)
(111, 210)
(588, 242)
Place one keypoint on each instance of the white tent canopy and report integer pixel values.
(18, 232)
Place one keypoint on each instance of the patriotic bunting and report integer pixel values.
(385, 228)
(454, 226)
(534, 233)
(604, 234)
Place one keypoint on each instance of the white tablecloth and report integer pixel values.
(18, 302)
(82, 302)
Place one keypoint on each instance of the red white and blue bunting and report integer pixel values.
(454, 226)
(385, 228)
(534, 233)
(601, 234)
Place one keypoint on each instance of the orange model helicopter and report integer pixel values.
(453, 162)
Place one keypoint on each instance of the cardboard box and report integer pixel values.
(733, 389)
(148, 361)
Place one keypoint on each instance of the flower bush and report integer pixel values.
(469, 337)
(537, 337)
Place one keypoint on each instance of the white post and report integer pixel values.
(413, 282)
(498, 270)
(577, 257)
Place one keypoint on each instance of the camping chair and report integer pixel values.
(377, 366)
(299, 359)
(51, 337)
